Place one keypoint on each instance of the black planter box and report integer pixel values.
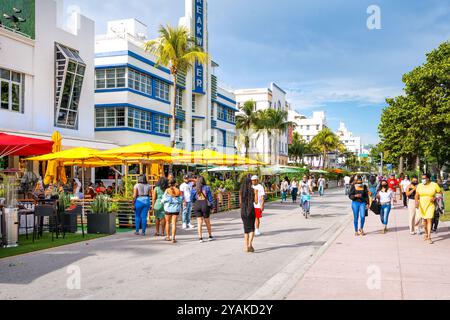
(70, 223)
(102, 223)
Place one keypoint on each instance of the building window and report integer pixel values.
(308, 128)
(139, 119)
(318, 128)
(193, 132)
(230, 139)
(70, 69)
(110, 78)
(193, 103)
(179, 99)
(220, 138)
(231, 116)
(139, 81)
(11, 90)
(220, 113)
(161, 90)
(179, 130)
(109, 117)
(161, 124)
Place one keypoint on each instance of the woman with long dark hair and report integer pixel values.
(385, 196)
(158, 208)
(359, 195)
(203, 205)
(248, 197)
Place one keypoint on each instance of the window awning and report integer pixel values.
(12, 145)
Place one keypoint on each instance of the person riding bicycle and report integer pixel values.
(305, 191)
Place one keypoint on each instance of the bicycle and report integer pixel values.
(306, 205)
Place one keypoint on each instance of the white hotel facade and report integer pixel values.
(47, 75)
(106, 92)
(132, 94)
(273, 150)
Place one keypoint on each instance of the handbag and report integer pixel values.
(375, 207)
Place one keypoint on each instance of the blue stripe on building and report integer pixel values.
(133, 55)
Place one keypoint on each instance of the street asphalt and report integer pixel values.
(125, 266)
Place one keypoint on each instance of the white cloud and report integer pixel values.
(317, 94)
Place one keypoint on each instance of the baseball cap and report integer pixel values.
(187, 177)
(254, 178)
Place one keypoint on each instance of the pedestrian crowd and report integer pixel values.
(193, 197)
(424, 201)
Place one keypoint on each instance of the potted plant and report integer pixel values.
(102, 219)
(66, 212)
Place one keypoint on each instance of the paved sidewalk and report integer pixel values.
(392, 266)
(125, 266)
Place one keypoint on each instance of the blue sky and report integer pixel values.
(320, 52)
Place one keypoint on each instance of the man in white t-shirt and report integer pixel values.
(186, 189)
(347, 184)
(403, 187)
(259, 208)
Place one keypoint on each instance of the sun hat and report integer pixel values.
(254, 178)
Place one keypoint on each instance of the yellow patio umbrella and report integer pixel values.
(55, 171)
(146, 150)
(83, 157)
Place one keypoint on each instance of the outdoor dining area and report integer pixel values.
(57, 206)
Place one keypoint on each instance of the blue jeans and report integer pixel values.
(186, 216)
(142, 206)
(359, 213)
(283, 196)
(294, 194)
(321, 189)
(384, 214)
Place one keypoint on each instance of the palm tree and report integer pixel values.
(326, 141)
(245, 122)
(298, 148)
(273, 122)
(176, 49)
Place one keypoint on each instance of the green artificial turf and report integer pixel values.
(26, 246)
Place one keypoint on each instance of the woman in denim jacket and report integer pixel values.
(172, 204)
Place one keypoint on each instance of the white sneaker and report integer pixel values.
(184, 226)
(257, 232)
(190, 226)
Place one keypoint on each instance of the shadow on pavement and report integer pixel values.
(297, 245)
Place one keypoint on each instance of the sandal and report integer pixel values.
(430, 241)
(174, 241)
(251, 249)
(157, 234)
(167, 238)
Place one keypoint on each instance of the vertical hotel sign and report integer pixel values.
(199, 38)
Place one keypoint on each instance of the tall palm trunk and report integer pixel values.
(247, 145)
(174, 117)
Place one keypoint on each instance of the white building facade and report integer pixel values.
(133, 95)
(351, 143)
(308, 128)
(273, 150)
(47, 74)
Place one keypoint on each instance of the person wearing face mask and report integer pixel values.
(385, 196)
(359, 195)
(414, 216)
(425, 201)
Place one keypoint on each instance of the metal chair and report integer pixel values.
(41, 211)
